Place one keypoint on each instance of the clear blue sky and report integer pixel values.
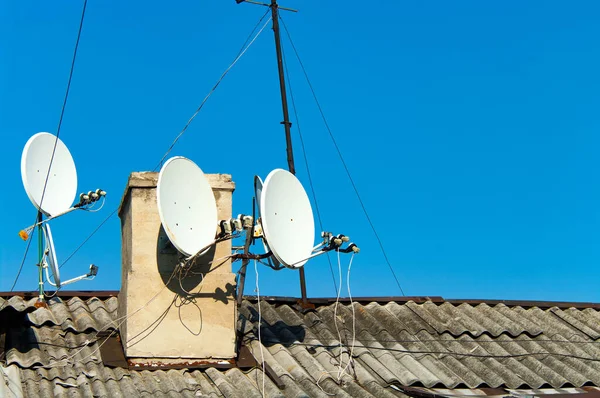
(471, 130)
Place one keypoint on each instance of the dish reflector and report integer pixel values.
(61, 187)
(186, 205)
(51, 256)
(258, 186)
(287, 218)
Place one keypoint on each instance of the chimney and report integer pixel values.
(163, 323)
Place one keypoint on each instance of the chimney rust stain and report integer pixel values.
(164, 364)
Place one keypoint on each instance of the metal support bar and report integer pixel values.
(286, 117)
(40, 222)
(245, 261)
(265, 4)
(250, 256)
(303, 287)
(40, 302)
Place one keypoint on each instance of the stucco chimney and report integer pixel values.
(165, 325)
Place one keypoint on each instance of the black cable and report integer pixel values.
(158, 320)
(186, 301)
(152, 327)
(342, 159)
(252, 32)
(88, 238)
(156, 323)
(62, 113)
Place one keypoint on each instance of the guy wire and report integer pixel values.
(389, 264)
(310, 182)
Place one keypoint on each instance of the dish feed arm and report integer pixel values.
(90, 275)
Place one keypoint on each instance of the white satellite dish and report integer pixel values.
(258, 187)
(186, 205)
(51, 255)
(287, 218)
(61, 187)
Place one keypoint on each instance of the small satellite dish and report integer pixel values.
(51, 255)
(61, 187)
(186, 205)
(287, 218)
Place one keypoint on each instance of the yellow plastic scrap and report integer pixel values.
(24, 235)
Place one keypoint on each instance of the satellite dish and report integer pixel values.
(51, 255)
(61, 187)
(186, 205)
(258, 187)
(287, 218)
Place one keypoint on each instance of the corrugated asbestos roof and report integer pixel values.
(54, 352)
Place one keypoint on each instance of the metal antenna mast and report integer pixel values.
(286, 117)
(284, 104)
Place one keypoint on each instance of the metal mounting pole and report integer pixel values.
(41, 301)
(242, 278)
(286, 119)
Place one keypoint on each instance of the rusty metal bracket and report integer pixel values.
(111, 350)
(304, 304)
(245, 259)
(250, 256)
(245, 359)
(40, 303)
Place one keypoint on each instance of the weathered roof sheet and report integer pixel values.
(75, 314)
(401, 345)
(398, 344)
